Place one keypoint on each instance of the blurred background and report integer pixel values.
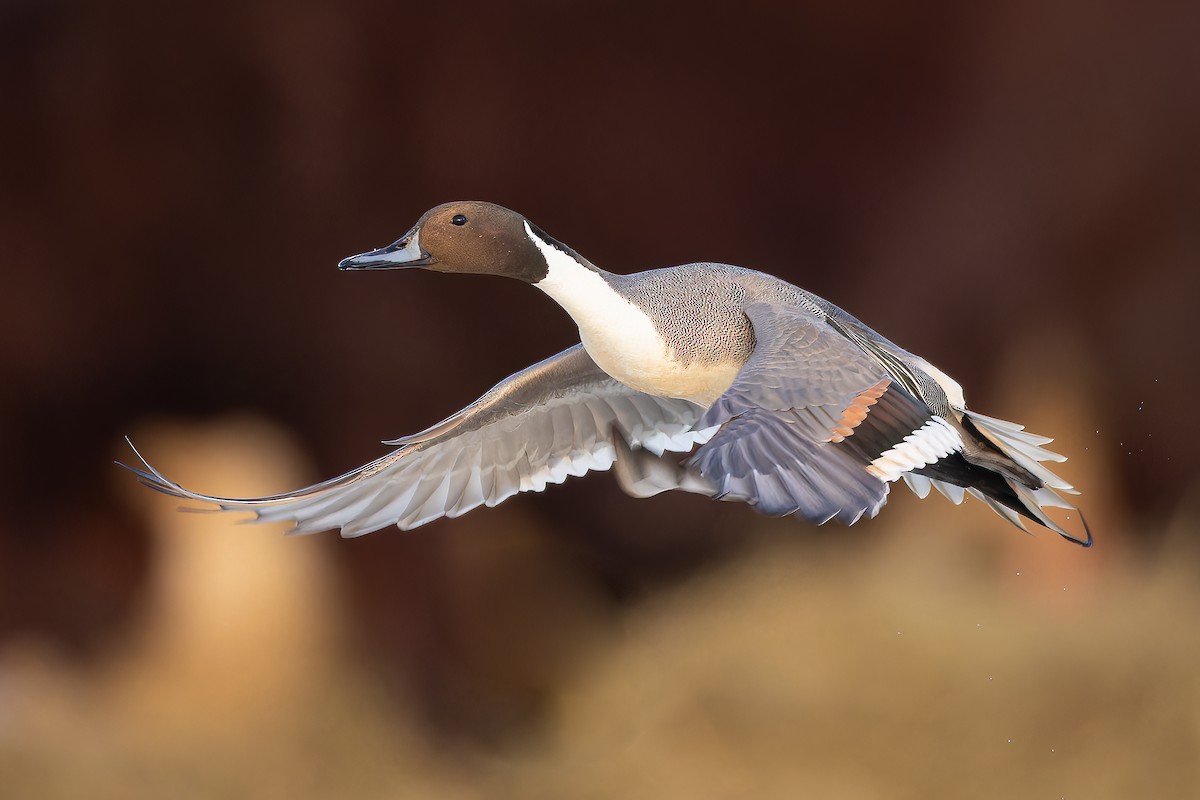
(1010, 190)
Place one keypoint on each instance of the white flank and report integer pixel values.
(619, 336)
(954, 391)
(933, 440)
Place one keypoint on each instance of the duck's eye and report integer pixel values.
(458, 219)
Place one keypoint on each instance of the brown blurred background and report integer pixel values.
(1011, 191)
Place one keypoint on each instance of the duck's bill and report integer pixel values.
(401, 254)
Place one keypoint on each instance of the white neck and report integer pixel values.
(620, 337)
(583, 292)
(616, 333)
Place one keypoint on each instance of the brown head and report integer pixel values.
(471, 237)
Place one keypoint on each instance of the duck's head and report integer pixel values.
(471, 237)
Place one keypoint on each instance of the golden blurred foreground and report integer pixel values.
(935, 660)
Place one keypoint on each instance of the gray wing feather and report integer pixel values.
(555, 419)
(800, 365)
(762, 458)
(773, 449)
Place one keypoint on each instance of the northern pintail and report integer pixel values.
(779, 398)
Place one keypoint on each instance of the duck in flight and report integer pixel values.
(707, 378)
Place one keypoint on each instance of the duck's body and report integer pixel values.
(689, 345)
(790, 403)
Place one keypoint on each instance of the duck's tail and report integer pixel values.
(1010, 492)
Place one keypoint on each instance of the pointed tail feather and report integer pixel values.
(1027, 451)
(1022, 447)
(1008, 497)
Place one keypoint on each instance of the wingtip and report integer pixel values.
(149, 471)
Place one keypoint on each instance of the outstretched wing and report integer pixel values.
(813, 426)
(557, 418)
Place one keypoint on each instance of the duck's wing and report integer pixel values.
(813, 426)
(563, 416)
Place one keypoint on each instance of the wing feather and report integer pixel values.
(551, 421)
(775, 447)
